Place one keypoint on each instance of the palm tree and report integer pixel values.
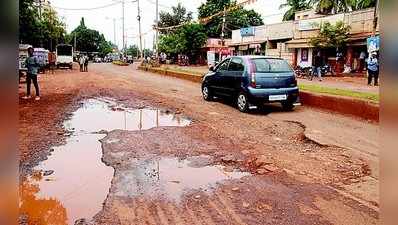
(362, 4)
(295, 5)
(341, 6)
(332, 6)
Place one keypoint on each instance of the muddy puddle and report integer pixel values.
(170, 178)
(73, 182)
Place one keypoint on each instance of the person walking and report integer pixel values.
(373, 69)
(317, 66)
(81, 63)
(362, 58)
(32, 64)
(85, 63)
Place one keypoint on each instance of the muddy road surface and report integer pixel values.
(116, 145)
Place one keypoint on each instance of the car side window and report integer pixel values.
(223, 66)
(236, 65)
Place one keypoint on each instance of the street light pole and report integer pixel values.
(139, 26)
(123, 45)
(114, 31)
(157, 31)
(375, 18)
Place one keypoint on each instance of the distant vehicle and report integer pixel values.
(252, 80)
(64, 56)
(130, 59)
(97, 60)
(23, 54)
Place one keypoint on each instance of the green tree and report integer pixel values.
(195, 37)
(235, 19)
(332, 36)
(47, 30)
(179, 15)
(133, 50)
(362, 4)
(294, 6)
(188, 39)
(147, 52)
(88, 40)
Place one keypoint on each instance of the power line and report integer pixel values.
(88, 9)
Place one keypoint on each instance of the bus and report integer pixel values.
(64, 56)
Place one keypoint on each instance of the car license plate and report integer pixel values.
(277, 97)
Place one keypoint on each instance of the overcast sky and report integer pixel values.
(102, 19)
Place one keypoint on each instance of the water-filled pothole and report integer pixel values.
(170, 178)
(77, 181)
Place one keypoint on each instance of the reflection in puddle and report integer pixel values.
(80, 181)
(169, 177)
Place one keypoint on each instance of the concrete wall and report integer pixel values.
(281, 51)
(279, 31)
(360, 21)
(259, 35)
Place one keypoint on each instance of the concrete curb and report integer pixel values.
(344, 105)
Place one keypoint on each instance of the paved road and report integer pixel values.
(303, 167)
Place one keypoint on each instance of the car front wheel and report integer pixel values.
(242, 102)
(206, 93)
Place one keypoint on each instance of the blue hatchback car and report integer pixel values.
(252, 80)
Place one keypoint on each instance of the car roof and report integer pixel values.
(257, 57)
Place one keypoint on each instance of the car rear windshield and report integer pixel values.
(64, 50)
(271, 65)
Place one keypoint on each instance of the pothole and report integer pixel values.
(170, 178)
(77, 182)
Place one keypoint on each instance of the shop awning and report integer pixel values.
(247, 43)
(299, 43)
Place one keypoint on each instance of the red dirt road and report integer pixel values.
(315, 167)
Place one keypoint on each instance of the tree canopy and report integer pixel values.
(188, 40)
(325, 6)
(179, 15)
(332, 36)
(235, 19)
(88, 40)
(47, 30)
(294, 6)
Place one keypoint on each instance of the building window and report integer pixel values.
(304, 55)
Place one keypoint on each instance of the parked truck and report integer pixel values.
(64, 56)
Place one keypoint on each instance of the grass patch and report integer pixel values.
(340, 92)
(177, 69)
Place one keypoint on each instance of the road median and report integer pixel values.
(357, 104)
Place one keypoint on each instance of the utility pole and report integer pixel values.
(157, 31)
(375, 18)
(123, 48)
(223, 26)
(40, 16)
(74, 43)
(114, 31)
(139, 26)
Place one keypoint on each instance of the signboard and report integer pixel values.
(243, 47)
(373, 43)
(304, 25)
(247, 31)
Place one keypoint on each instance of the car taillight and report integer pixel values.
(252, 74)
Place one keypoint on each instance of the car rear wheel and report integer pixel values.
(287, 106)
(206, 93)
(242, 102)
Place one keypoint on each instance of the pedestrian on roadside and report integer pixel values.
(81, 63)
(373, 69)
(317, 65)
(362, 58)
(85, 63)
(32, 64)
